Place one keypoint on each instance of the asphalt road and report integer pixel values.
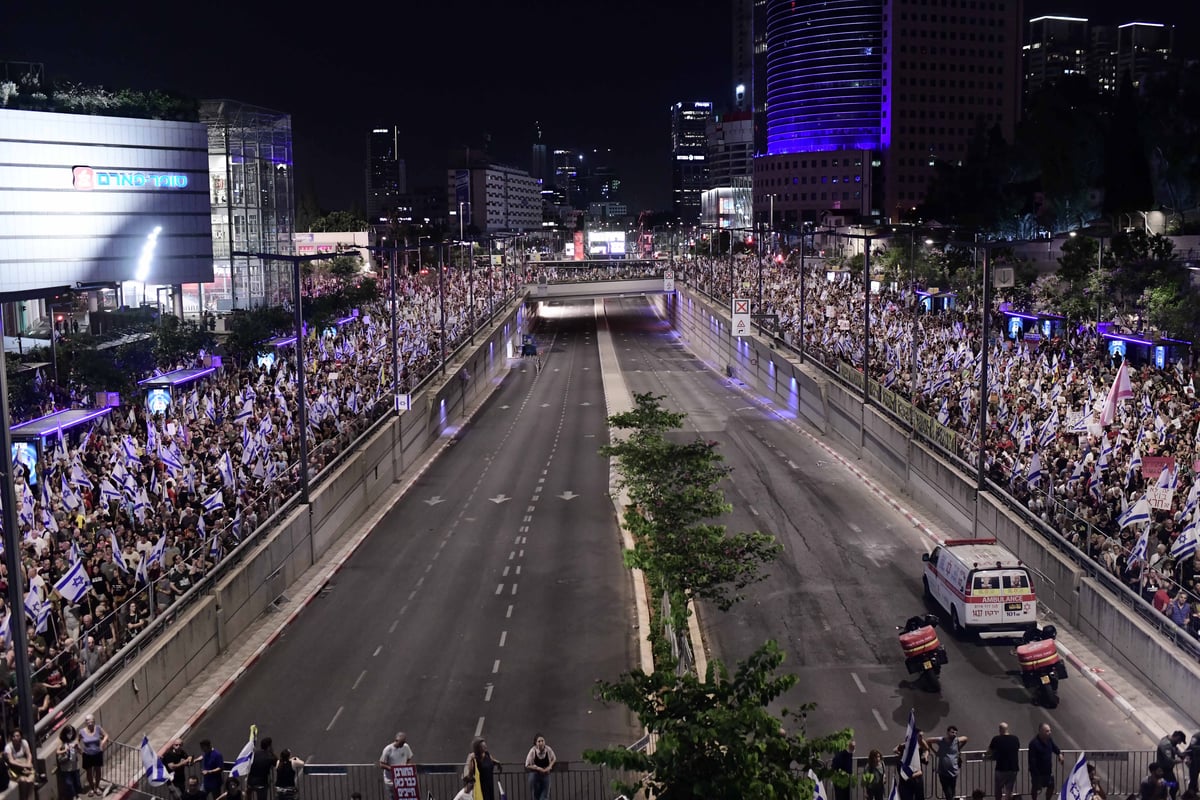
(850, 572)
(488, 600)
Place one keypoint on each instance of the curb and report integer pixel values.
(371, 522)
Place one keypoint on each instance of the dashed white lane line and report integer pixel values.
(378, 650)
(508, 614)
(879, 719)
(858, 683)
(487, 694)
(514, 591)
(503, 637)
(518, 570)
(479, 727)
(505, 573)
(361, 675)
(499, 588)
(753, 510)
(394, 624)
(336, 714)
(496, 666)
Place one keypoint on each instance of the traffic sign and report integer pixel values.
(741, 316)
(669, 281)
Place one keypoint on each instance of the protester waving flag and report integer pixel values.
(1139, 549)
(242, 765)
(1185, 545)
(214, 502)
(117, 556)
(910, 757)
(1078, 785)
(154, 770)
(1138, 513)
(74, 585)
(1119, 391)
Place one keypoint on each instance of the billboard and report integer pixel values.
(606, 243)
(83, 194)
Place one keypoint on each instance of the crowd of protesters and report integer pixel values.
(1044, 439)
(146, 504)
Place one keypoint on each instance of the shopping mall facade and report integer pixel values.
(136, 212)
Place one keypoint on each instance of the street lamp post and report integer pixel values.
(983, 384)
(442, 305)
(301, 399)
(803, 325)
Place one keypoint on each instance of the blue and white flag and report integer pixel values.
(225, 468)
(38, 611)
(155, 556)
(129, 449)
(118, 556)
(74, 584)
(1185, 545)
(894, 794)
(242, 765)
(818, 787)
(170, 459)
(245, 414)
(108, 492)
(910, 757)
(214, 502)
(1138, 513)
(155, 771)
(1139, 548)
(1078, 785)
(1034, 476)
(1049, 430)
(1094, 486)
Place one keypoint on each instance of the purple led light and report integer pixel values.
(282, 341)
(178, 377)
(1176, 341)
(1022, 316)
(1130, 339)
(62, 421)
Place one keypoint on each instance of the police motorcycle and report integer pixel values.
(1041, 666)
(923, 653)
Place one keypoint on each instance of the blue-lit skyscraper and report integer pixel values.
(824, 75)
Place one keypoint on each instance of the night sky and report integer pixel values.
(596, 75)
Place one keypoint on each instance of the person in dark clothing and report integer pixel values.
(175, 759)
(481, 765)
(1005, 750)
(212, 767)
(1193, 758)
(1042, 754)
(286, 771)
(258, 777)
(192, 790)
(1168, 756)
(1153, 787)
(843, 761)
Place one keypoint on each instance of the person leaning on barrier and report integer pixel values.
(1167, 756)
(1043, 752)
(286, 771)
(67, 761)
(843, 761)
(873, 777)
(20, 765)
(1005, 750)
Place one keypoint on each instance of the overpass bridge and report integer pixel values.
(581, 280)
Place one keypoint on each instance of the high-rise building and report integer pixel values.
(1055, 47)
(689, 149)
(726, 202)
(1102, 58)
(1143, 48)
(749, 84)
(864, 97)
(386, 174)
(485, 197)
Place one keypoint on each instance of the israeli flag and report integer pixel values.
(1137, 513)
(38, 611)
(1078, 785)
(171, 459)
(242, 765)
(247, 411)
(214, 550)
(225, 468)
(74, 584)
(1049, 430)
(130, 451)
(1139, 549)
(818, 787)
(1185, 545)
(214, 502)
(118, 556)
(155, 556)
(910, 758)
(894, 794)
(155, 771)
(1035, 470)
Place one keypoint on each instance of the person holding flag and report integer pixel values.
(914, 755)
(1079, 782)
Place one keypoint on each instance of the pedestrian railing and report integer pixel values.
(574, 779)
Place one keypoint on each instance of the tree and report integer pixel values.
(675, 495)
(336, 221)
(176, 340)
(716, 738)
(249, 329)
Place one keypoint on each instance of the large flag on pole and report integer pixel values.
(242, 765)
(1078, 785)
(1139, 512)
(1120, 390)
(1140, 547)
(910, 758)
(74, 584)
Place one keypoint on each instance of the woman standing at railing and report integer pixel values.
(872, 776)
(67, 757)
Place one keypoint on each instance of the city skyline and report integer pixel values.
(571, 69)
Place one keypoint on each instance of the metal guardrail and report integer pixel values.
(575, 779)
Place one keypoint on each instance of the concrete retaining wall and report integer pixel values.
(127, 705)
(768, 369)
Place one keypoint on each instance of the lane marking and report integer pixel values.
(505, 573)
(508, 614)
(858, 683)
(499, 588)
(337, 714)
(487, 694)
(514, 591)
(503, 637)
(753, 510)
(357, 682)
(496, 666)
(879, 719)
(479, 727)
(420, 581)
(853, 527)
(518, 572)
(377, 651)
(397, 622)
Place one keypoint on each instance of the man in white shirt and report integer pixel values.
(396, 754)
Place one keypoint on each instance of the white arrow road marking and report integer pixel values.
(498, 499)
(567, 495)
(433, 501)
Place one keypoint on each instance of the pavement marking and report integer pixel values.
(499, 588)
(522, 529)
(428, 567)
(357, 682)
(336, 714)
(505, 573)
(412, 594)
(496, 666)
(518, 540)
(521, 553)
(792, 464)
(397, 622)
(512, 554)
(541, 480)
(487, 694)
(420, 581)
(879, 719)
(531, 508)
(518, 570)
(514, 591)
(479, 727)
(858, 683)
(377, 651)
(503, 637)
(508, 614)
(753, 510)
(853, 527)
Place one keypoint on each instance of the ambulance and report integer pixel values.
(982, 587)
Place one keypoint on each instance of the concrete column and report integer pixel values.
(177, 299)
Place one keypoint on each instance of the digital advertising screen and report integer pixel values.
(1016, 327)
(1160, 356)
(266, 360)
(26, 453)
(1116, 347)
(158, 400)
(606, 243)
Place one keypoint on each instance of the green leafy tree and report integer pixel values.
(675, 494)
(249, 329)
(336, 221)
(176, 340)
(716, 740)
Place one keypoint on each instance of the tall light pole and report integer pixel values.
(391, 251)
(301, 399)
